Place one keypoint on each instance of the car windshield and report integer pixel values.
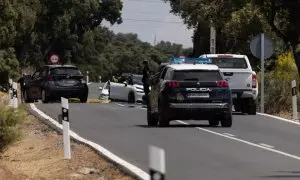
(65, 70)
(197, 75)
(137, 79)
(105, 86)
(230, 62)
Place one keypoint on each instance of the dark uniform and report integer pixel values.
(146, 78)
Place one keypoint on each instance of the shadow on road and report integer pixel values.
(287, 174)
(178, 126)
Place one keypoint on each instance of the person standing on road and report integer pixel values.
(146, 77)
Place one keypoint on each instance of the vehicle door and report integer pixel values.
(123, 88)
(39, 81)
(156, 89)
(33, 88)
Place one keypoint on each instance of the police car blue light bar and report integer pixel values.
(184, 60)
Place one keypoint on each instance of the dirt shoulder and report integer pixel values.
(39, 155)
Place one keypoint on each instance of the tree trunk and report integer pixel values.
(201, 39)
(296, 53)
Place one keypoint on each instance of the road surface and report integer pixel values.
(256, 147)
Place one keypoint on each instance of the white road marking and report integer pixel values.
(121, 104)
(247, 142)
(279, 118)
(266, 145)
(135, 170)
(228, 134)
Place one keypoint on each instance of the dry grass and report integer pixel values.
(39, 155)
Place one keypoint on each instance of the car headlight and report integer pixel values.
(139, 91)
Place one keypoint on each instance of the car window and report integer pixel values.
(36, 74)
(197, 75)
(163, 73)
(230, 62)
(65, 71)
(168, 75)
(137, 79)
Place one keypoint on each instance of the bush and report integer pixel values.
(10, 125)
(278, 95)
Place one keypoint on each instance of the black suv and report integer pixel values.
(189, 91)
(51, 82)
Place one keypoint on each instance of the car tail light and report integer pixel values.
(254, 80)
(173, 84)
(222, 83)
(50, 78)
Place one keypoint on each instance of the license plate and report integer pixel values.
(234, 95)
(198, 95)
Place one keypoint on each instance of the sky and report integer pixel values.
(150, 18)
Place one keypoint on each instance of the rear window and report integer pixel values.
(64, 71)
(197, 75)
(239, 63)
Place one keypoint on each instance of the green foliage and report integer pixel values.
(278, 84)
(10, 125)
(9, 65)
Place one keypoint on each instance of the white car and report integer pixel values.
(242, 79)
(130, 90)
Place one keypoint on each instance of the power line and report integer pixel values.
(149, 20)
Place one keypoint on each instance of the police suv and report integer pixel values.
(189, 89)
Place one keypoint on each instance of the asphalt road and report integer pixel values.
(94, 91)
(256, 147)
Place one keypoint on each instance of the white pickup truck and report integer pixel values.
(242, 80)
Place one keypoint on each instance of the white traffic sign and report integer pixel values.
(54, 59)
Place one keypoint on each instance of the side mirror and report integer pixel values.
(100, 88)
(125, 83)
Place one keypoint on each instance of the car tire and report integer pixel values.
(151, 119)
(249, 106)
(163, 120)
(131, 98)
(226, 121)
(83, 100)
(25, 97)
(252, 107)
(45, 99)
(213, 122)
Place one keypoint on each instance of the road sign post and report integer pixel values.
(294, 101)
(212, 39)
(262, 60)
(157, 163)
(15, 95)
(87, 77)
(262, 47)
(66, 128)
(10, 92)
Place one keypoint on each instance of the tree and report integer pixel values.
(283, 19)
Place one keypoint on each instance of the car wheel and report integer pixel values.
(25, 97)
(226, 121)
(162, 118)
(45, 99)
(131, 98)
(252, 107)
(213, 122)
(83, 100)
